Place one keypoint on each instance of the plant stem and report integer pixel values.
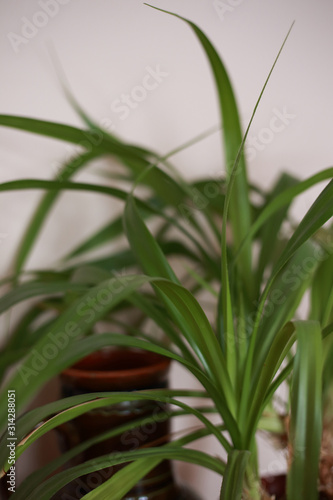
(252, 481)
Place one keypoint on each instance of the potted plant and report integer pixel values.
(253, 347)
(115, 370)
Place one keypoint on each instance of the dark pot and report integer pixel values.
(120, 370)
(276, 485)
(4, 493)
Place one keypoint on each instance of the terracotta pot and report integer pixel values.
(120, 370)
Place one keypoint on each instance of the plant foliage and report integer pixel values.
(240, 359)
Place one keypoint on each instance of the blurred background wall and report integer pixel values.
(107, 48)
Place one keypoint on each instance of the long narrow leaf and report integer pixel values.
(91, 344)
(284, 199)
(270, 231)
(240, 212)
(193, 322)
(43, 209)
(233, 478)
(35, 289)
(86, 138)
(89, 402)
(276, 355)
(52, 485)
(45, 360)
(319, 213)
(35, 479)
(200, 338)
(111, 191)
(30, 483)
(306, 413)
(144, 245)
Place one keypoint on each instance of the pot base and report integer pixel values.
(276, 485)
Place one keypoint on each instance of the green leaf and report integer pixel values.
(113, 262)
(72, 407)
(90, 275)
(167, 452)
(319, 213)
(34, 479)
(235, 174)
(62, 185)
(328, 330)
(306, 412)
(125, 259)
(91, 344)
(44, 207)
(280, 347)
(204, 284)
(131, 470)
(284, 199)
(32, 289)
(15, 341)
(197, 330)
(136, 158)
(144, 245)
(10, 357)
(166, 187)
(269, 232)
(124, 480)
(283, 300)
(321, 289)
(45, 360)
(245, 301)
(107, 233)
(240, 212)
(232, 486)
(158, 315)
(215, 202)
(25, 334)
(87, 139)
(155, 264)
(110, 191)
(285, 295)
(49, 129)
(328, 378)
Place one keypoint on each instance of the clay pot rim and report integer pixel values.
(76, 371)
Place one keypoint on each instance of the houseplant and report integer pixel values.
(237, 362)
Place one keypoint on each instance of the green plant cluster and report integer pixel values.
(241, 358)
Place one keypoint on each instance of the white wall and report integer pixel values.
(105, 48)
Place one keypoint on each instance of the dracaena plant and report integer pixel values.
(240, 359)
